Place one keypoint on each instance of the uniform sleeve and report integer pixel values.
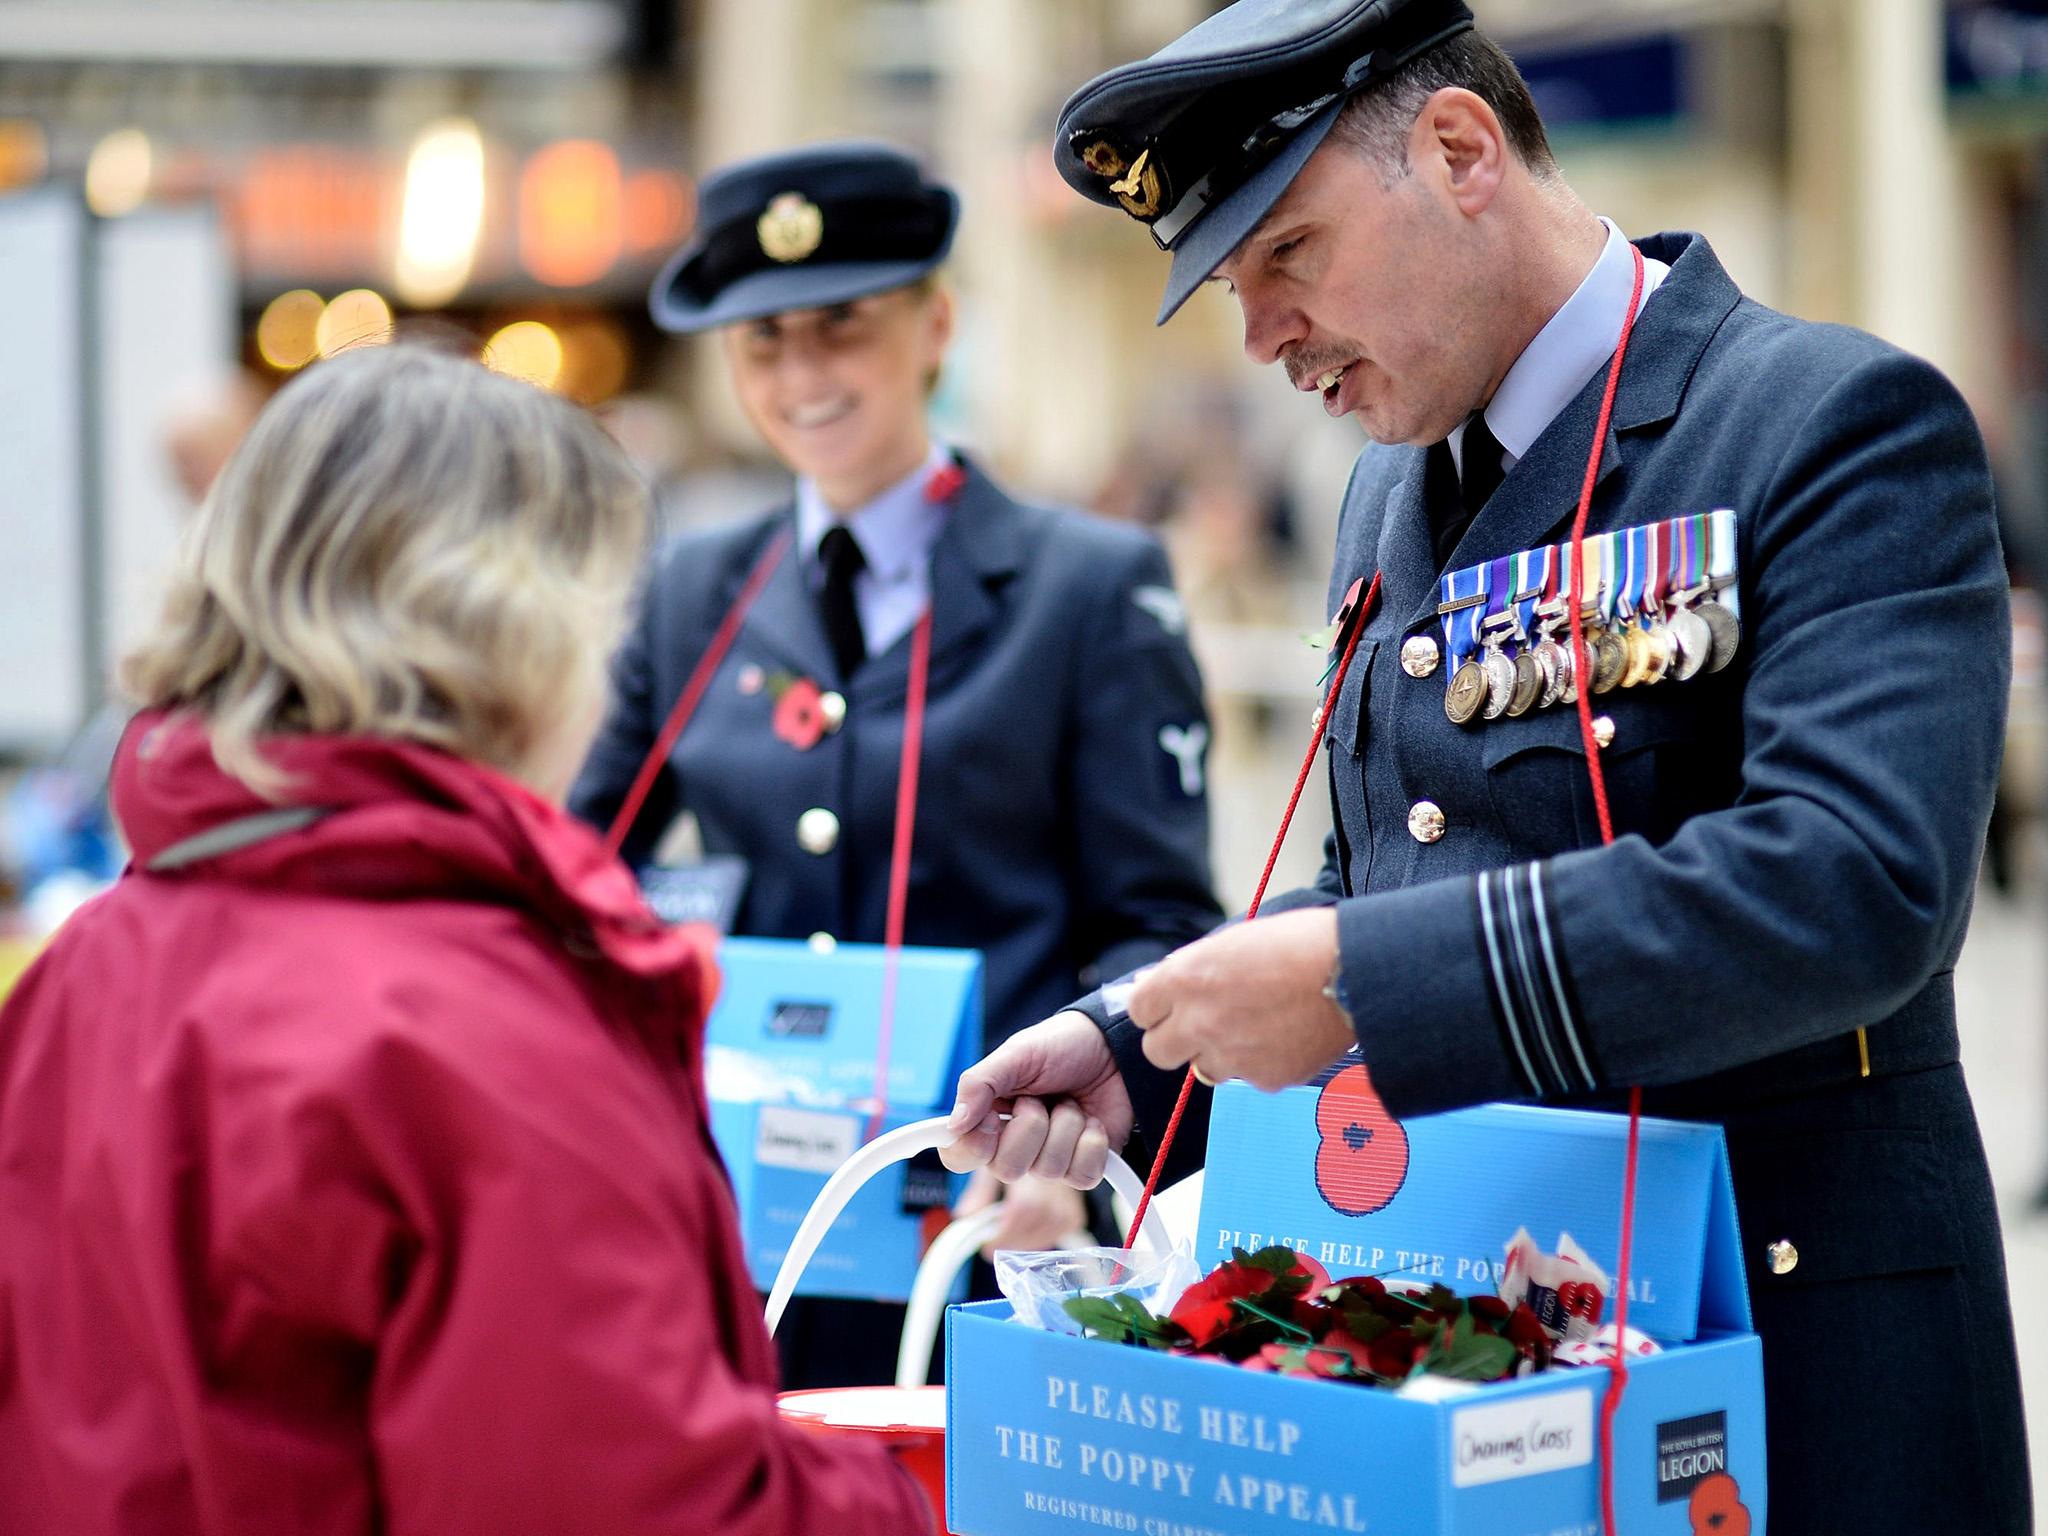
(1137, 777)
(633, 718)
(1876, 633)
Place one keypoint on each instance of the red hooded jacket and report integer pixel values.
(360, 1179)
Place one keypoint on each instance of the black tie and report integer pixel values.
(1481, 473)
(840, 553)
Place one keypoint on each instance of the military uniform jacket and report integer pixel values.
(1062, 818)
(1797, 843)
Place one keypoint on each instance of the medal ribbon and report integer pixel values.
(1461, 625)
(1721, 557)
(1656, 550)
(1500, 581)
(1532, 580)
(1631, 570)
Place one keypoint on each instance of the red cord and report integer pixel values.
(1187, 1082)
(1617, 1363)
(899, 860)
(693, 692)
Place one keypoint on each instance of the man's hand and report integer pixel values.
(1036, 1215)
(1057, 1083)
(1248, 1002)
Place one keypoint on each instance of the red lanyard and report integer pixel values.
(1617, 1364)
(1354, 613)
(941, 487)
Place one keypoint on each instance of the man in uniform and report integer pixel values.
(1797, 799)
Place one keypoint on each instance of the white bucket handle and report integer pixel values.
(895, 1147)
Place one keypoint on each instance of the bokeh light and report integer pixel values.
(443, 213)
(358, 318)
(529, 350)
(24, 152)
(117, 173)
(571, 213)
(287, 336)
(596, 359)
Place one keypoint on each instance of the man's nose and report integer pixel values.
(1269, 328)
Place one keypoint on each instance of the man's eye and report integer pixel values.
(1286, 248)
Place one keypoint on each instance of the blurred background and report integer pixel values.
(198, 197)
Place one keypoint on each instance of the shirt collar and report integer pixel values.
(895, 531)
(1576, 343)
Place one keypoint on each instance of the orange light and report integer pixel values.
(571, 213)
(660, 206)
(24, 152)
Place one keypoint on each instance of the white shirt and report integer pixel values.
(1576, 343)
(895, 533)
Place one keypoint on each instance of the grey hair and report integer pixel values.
(1377, 122)
(405, 545)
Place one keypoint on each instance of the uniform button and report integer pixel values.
(817, 830)
(1782, 1257)
(1603, 731)
(1419, 656)
(832, 707)
(1426, 821)
(823, 943)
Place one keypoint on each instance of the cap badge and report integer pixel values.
(1142, 191)
(791, 229)
(1104, 159)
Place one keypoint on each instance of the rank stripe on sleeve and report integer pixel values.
(1529, 992)
(1503, 997)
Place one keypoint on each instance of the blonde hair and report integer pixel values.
(405, 545)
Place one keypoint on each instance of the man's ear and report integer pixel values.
(1457, 135)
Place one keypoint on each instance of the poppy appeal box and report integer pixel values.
(1049, 1432)
(791, 1051)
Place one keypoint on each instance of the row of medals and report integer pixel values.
(1515, 674)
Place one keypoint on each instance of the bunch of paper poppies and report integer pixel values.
(1278, 1310)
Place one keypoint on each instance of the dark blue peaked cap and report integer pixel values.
(804, 228)
(1200, 140)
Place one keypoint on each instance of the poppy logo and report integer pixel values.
(1362, 1157)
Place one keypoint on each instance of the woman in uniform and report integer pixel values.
(1059, 820)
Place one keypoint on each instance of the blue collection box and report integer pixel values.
(792, 1046)
(1052, 1433)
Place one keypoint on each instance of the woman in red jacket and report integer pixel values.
(354, 1166)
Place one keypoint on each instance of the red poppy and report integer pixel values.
(944, 483)
(1363, 1156)
(1717, 1508)
(799, 714)
(1205, 1308)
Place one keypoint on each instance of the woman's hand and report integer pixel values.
(1036, 1213)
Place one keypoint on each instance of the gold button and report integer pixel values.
(1782, 1257)
(1426, 821)
(817, 830)
(832, 707)
(1419, 656)
(1603, 731)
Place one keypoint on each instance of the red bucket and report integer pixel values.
(908, 1422)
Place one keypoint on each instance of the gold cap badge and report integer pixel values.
(791, 228)
(1143, 191)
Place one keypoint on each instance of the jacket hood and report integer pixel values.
(399, 821)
